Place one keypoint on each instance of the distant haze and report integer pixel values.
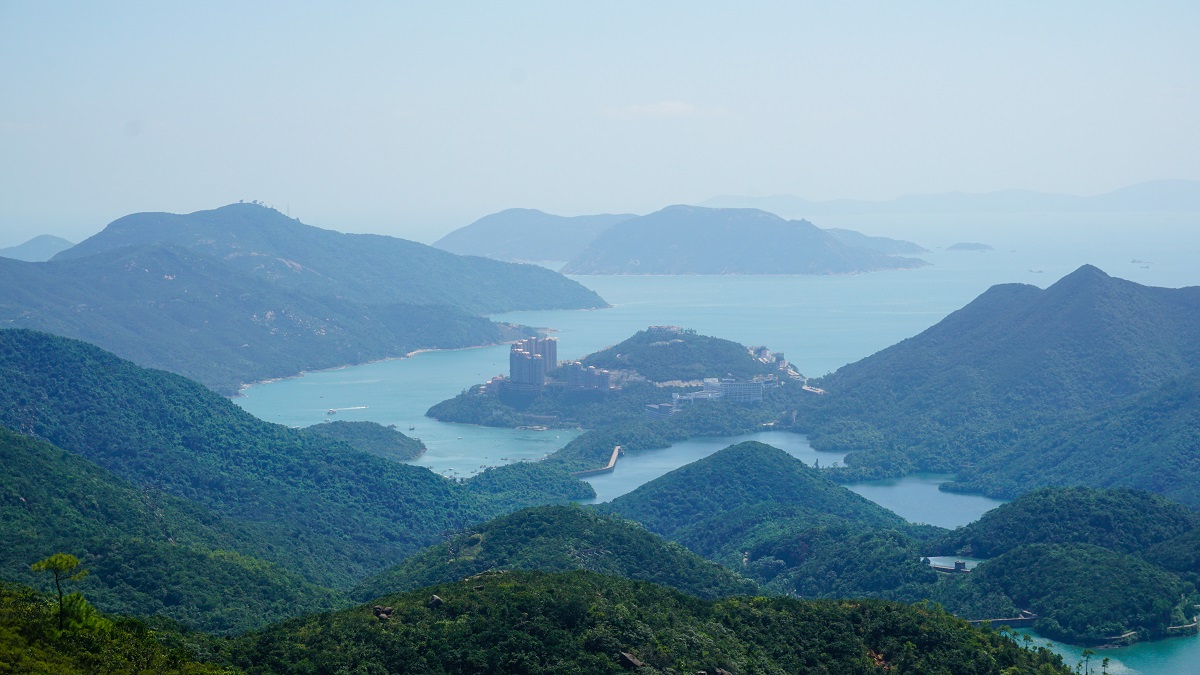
(414, 119)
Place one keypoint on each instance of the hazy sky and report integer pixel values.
(412, 119)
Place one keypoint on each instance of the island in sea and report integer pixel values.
(698, 240)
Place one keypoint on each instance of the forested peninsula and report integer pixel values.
(243, 293)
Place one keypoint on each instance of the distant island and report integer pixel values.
(969, 246)
(699, 240)
(528, 235)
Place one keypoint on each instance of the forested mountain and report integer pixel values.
(317, 505)
(1087, 594)
(1148, 441)
(147, 552)
(1017, 358)
(557, 539)
(663, 354)
(373, 438)
(582, 622)
(364, 268)
(168, 307)
(742, 475)
(242, 293)
(1126, 521)
(697, 240)
(40, 248)
(528, 235)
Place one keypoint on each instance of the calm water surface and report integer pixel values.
(820, 323)
(1175, 656)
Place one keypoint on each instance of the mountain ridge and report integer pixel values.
(685, 239)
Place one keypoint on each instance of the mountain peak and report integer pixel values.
(1086, 277)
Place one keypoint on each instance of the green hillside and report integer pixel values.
(698, 240)
(148, 553)
(664, 354)
(1146, 441)
(1016, 359)
(1121, 520)
(368, 269)
(31, 642)
(556, 539)
(318, 506)
(1086, 594)
(168, 307)
(582, 622)
(744, 474)
(372, 438)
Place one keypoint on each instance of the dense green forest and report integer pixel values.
(1146, 441)
(744, 474)
(1000, 371)
(788, 527)
(32, 642)
(1087, 594)
(582, 622)
(560, 538)
(316, 505)
(1121, 520)
(148, 553)
(373, 438)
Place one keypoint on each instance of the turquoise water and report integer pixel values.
(634, 470)
(820, 323)
(917, 498)
(1174, 656)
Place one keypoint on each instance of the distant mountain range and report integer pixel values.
(363, 268)
(1153, 196)
(698, 240)
(672, 241)
(40, 248)
(243, 293)
(528, 235)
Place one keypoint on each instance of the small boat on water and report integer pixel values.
(412, 428)
(331, 411)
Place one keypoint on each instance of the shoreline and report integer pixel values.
(246, 385)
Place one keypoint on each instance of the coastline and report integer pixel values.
(246, 385)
